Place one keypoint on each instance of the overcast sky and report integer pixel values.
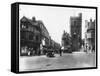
(56, 19)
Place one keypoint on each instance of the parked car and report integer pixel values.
(50, 53)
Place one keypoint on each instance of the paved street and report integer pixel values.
(74, 60)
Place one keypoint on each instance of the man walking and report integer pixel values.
(60, 51)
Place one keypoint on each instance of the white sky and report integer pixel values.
(56, 19)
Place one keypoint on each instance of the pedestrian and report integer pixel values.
(60, 51)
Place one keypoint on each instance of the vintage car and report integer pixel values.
(50, 53)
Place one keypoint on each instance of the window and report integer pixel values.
(23, 26)
(30, 37)
(37, 38)
(23, 34)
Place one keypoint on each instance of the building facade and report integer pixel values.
(30, 36)
(76, 31)
(90, 36)
(34, 37)
(45, 37)
(66, 42)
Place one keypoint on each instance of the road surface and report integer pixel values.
(74, 60)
